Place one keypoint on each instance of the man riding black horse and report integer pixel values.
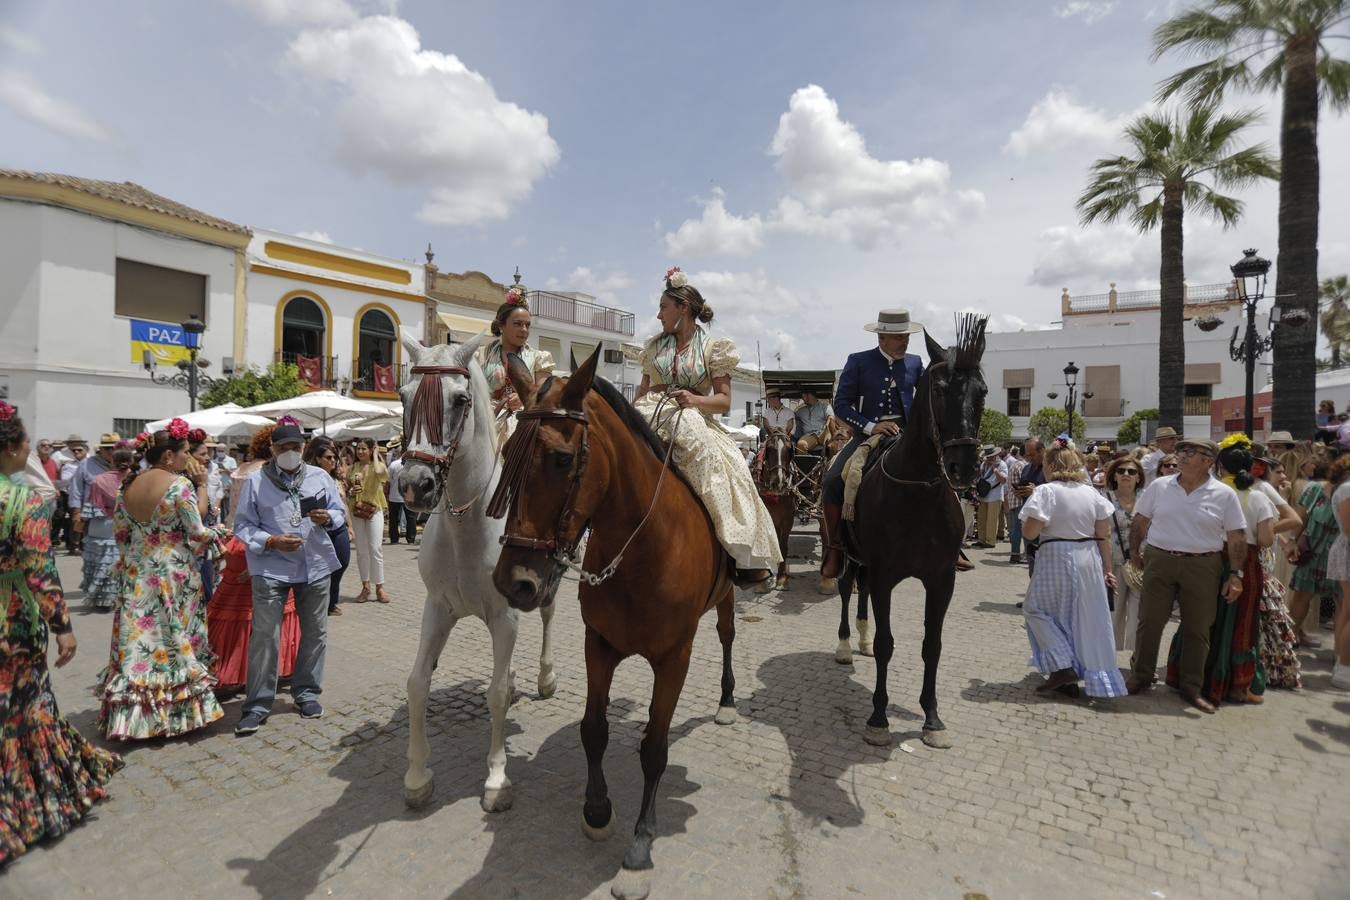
(873, 396)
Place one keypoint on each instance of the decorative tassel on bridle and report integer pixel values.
(428, 411)
(516, 457)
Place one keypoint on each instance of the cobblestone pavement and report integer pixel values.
(1039, 797)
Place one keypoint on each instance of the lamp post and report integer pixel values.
(190, 375)
(1071, 395)
(1249, 279)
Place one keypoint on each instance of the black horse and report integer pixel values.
(908, 522)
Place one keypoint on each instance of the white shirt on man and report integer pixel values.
(1197, 522)
(777, 418)
(989, 470)
(1069, 509)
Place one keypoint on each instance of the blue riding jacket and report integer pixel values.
(871, 388)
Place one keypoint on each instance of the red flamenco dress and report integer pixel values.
(229, 621)
(50, 776)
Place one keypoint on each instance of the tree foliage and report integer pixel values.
(1048, 422)
(1130, 428)
(251, 385)
(1335, 297)
(995, 427)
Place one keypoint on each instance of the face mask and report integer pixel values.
(289, 461)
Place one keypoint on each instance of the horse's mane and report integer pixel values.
(636, 422)
(969, 346)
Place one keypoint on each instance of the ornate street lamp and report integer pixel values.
(1249, 278)
(190, 375)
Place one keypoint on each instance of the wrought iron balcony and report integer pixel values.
(327, 367)
(562, 308)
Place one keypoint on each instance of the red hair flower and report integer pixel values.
(6, 411)
(143, 440)
(516, 297)
(178, 430)
(197, 435)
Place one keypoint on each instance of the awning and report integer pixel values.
(463, 328)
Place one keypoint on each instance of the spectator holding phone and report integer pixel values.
(284, 513)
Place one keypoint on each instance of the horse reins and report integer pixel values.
(426, 416)
(939, 445)
(518, 453)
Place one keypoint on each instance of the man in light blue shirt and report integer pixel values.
(284, 513)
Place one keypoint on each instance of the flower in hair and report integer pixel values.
(675, 278)
(6, 411)
(178, 430)
(1063, 441)
(516, 297)
(142, 440)
(1237, 439)
(288, 420)
(197, 435)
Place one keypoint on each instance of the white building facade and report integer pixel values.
(92, 275)
(1113, 340)
(336, 313)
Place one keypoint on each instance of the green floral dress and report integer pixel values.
(50, 776)
(158, 682)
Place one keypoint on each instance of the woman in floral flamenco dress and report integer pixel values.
(50, 776)
(158, 681)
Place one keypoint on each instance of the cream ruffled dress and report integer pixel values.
(704, 450)
(540, 363)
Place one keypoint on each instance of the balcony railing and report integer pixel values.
(1195, 406)
(363, 377)
(327, 367)
(562, 308)
(1114, 300)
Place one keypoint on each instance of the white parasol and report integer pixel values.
(380, 428)
(317, 407)
(226, 420)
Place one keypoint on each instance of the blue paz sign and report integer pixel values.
(167, 343)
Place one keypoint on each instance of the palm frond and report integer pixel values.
(1147, 215)
(1225, 209)
(1333, 76)
(1245, 168)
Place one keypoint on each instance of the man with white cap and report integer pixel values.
(873, 396)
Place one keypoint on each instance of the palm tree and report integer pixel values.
(1178, 160)
(1335, 293)
(1269, 45)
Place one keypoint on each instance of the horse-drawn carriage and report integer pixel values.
(806, 470)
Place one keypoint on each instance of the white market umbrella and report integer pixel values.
(747, 434)
(379, 428)
(317, 407)
(226, 420)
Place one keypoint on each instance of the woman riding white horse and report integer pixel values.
(511, 334)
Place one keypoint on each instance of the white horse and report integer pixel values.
(449, 470)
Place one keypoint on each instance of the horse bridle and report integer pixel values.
(939, 445)
(560, 547)
(429, 421)
(774, 436)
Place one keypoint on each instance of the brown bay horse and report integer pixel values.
(582, 456)
(909, 523)
(774, 481)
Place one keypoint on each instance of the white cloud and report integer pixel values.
(1058, 120)
(321, 236)
(300, 12)
(1087, 260)
(751, 309)
(607, 288)
(18, 41)
(1090, 11)
(837, 189)
(23, 95)
(422, 117)
(716, 233)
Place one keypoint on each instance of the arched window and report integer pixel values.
(375, 352)
(304, 328)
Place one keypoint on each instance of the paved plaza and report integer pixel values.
(1043, 798)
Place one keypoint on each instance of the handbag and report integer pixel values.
(1132, 575)
(983, 487)
(364, 510)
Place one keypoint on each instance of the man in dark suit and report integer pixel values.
(873, 396)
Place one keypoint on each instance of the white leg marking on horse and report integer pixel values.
(843, 654)
(496, 792)
(864, 627)
(631, 884)
(602, 833)
(726, 715)
(418, 783)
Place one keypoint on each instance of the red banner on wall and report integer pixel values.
(311, 370)
(383, 376)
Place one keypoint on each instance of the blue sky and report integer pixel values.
(806, 163)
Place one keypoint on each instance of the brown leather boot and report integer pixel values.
(833, 563)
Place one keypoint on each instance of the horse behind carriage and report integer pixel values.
(790, 478)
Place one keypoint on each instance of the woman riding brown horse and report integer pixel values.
(774, 479)
(583, 456)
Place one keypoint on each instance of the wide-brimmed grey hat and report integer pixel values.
(1166, 431)
(893, 321)
(1280, 437)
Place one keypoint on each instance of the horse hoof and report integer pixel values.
(843, 654)
(632, 884)
(726, 715)
(865, 649)
(828, 586)
(598, 834)
(497, 800)
(938, 740)
(418, 797)
(877, 737)
(548, 688)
